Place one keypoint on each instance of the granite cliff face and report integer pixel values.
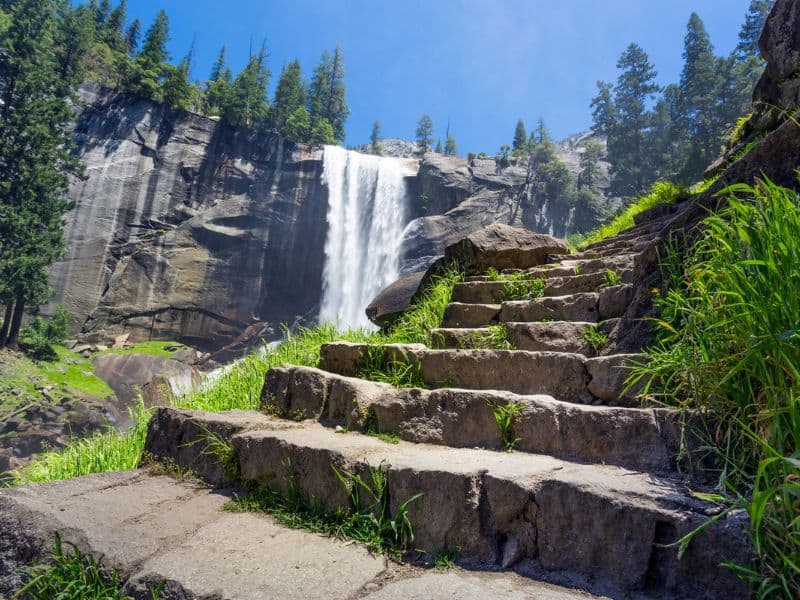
(187, 229)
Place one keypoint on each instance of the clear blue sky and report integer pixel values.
(482, 64)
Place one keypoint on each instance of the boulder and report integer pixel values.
(779, 86)
(501, 246)
(390, 303)
(158, 376)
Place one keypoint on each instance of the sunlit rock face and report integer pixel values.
(186, 229)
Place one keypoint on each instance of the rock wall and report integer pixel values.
(187, 229)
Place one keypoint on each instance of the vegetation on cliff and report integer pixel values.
(730, 346)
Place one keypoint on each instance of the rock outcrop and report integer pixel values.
(186, 229)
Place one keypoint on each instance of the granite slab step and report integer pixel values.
(646, 439)
(605, 524)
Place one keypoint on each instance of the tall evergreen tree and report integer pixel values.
(375, 139)
(590, 169)
(113, 33)
(289, 96)
(35, 141)
(700, 82)
(326, 97)
(627, 142)
(754, 21)
(247, 101)
(132, 36)
(154, 48)
(450, 146)
(520, 143)
(604, 115)
(424, 134)
(219, 85)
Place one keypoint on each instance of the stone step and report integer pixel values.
(565, 376)
(459, 315)
(493, 292)
(155, 529)
(604, 524)
(573, 307)
(555, 336)
(636, 438)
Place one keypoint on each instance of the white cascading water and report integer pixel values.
(367, 205)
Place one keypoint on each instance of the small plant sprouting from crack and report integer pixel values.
(220, 449)
(612, 278)
(505, 415)
(594, 338)
(367, 518)
(446, 558)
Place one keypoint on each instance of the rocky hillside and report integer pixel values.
(187, 229)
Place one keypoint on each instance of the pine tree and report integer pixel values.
(154, 49)
(754, 22)
(219, 85)
(604, 114)
(590, 169)
(289, 96)
(544, 150)
(247, 101)
(298, 125)
(627, 141)
(326, 96)
(113, 29)
(36, 116)
(322, 133)
(424, 134)
(450, 146)
(699, 84)
(177, 92)
(438, 148)
(375, 139)
(132, 36)
(101, 14)
(520, 144)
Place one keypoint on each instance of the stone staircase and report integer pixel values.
(591, 494)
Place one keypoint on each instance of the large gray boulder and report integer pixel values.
(390, 303)
(501, 246)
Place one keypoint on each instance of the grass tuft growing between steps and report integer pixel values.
(662, 192)
(367, 519)
(730, 345)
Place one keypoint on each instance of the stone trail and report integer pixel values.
(591, 498)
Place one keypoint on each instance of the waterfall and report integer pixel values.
(367, 206)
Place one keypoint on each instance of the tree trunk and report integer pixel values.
(16, 321)
(6, 323)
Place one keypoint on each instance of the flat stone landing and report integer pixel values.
(154, 528)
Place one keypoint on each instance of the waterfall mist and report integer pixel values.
(367, 206)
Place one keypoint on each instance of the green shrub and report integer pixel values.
(38, 338)
(730, 345)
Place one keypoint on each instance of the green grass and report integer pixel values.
(611, 278)
(661, 193)
(70, 574)
(367, 519)
(100, 452)
(729, 344)
(518, 286)
(74, 372)
(505, 415)
(157, 348)
(495, 337)
(595, 338)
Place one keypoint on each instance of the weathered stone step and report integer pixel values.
(554, 336)
(565, 376)
(493, 292)
(155, 529)
(636, 438)
(608, 303)
(605, 524)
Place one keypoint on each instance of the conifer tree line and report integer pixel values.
(424, 138)
(673, 133)
(135, 61)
